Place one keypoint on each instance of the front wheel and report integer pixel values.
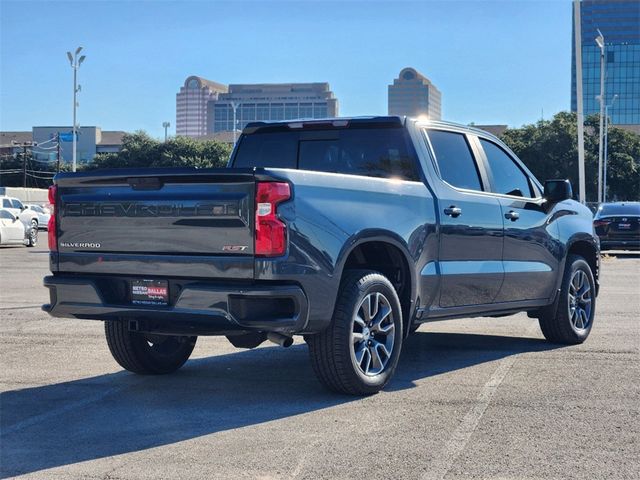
(358, 353)
(147, 354)
(570, 320)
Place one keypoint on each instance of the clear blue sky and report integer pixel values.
(493, 61)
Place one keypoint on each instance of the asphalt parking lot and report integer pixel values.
(472, 398)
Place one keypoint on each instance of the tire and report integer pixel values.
(570, 319)
(335, 351)
(147, 354)
(32, 241)
(34, 223)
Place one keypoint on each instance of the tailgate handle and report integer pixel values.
(145, 183)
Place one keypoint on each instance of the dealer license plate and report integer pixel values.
(150, 292)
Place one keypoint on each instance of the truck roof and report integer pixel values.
(381, 121)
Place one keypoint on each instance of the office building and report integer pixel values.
(191, 105)
(278, 101)
(414, 95)
(204, 107)
(619, 22)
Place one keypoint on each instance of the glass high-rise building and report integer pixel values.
(414, 95)
(619, 22)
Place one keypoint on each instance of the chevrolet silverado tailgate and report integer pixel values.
(165, 222)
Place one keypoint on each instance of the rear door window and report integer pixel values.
(455, 160)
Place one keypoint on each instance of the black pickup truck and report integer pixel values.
(349, 231)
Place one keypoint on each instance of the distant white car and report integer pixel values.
(43, 214)
(15, 206)
(14, 232)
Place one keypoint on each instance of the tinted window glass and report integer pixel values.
(275, 150)
(619, 209)
(508, 178)
(384, 153)
(16, 203)
(379, 152)
(6, 215)
(6, 203)
(456, 163)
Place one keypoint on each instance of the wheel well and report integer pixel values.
(588, 252)
(391, 262)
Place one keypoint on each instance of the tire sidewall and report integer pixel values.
(576, 264)
(373, 283)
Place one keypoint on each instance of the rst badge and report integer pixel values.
(234, 248)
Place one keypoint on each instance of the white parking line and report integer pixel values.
(461, 436)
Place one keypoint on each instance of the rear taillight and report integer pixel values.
(271, 232)
(51, 226)
(601, 223)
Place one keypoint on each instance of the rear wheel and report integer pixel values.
(358, 353)
(570, 319)
(32, 240)
(147, 354)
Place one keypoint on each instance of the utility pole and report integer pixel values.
(165, 125)
(600, 43)
(24, 146)
(75, 64)
(58, 153)
(24, 165)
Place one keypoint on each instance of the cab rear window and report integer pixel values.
(379, 152)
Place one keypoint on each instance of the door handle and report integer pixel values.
(511, 215)
(453, 211)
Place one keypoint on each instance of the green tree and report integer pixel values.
(139, 150)
(549, 148)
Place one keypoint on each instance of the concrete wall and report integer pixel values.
(36, 195)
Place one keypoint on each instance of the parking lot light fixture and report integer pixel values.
(75, 64)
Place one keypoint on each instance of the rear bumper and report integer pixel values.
(630, 244)
(198, 309)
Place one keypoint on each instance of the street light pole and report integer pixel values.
(75, 64)
(577, 28)
(165, 125)
(600, 43)
(606, 145)
(234, 106)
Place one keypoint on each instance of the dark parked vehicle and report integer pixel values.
(350, 232)
(618, 225)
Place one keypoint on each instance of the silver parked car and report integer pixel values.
(16, 207)
(43, 215)
(15, 232)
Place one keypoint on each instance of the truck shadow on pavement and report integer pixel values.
(98, 417)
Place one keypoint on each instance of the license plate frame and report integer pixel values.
(149, 292)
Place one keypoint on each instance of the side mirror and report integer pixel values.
(557, 190)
